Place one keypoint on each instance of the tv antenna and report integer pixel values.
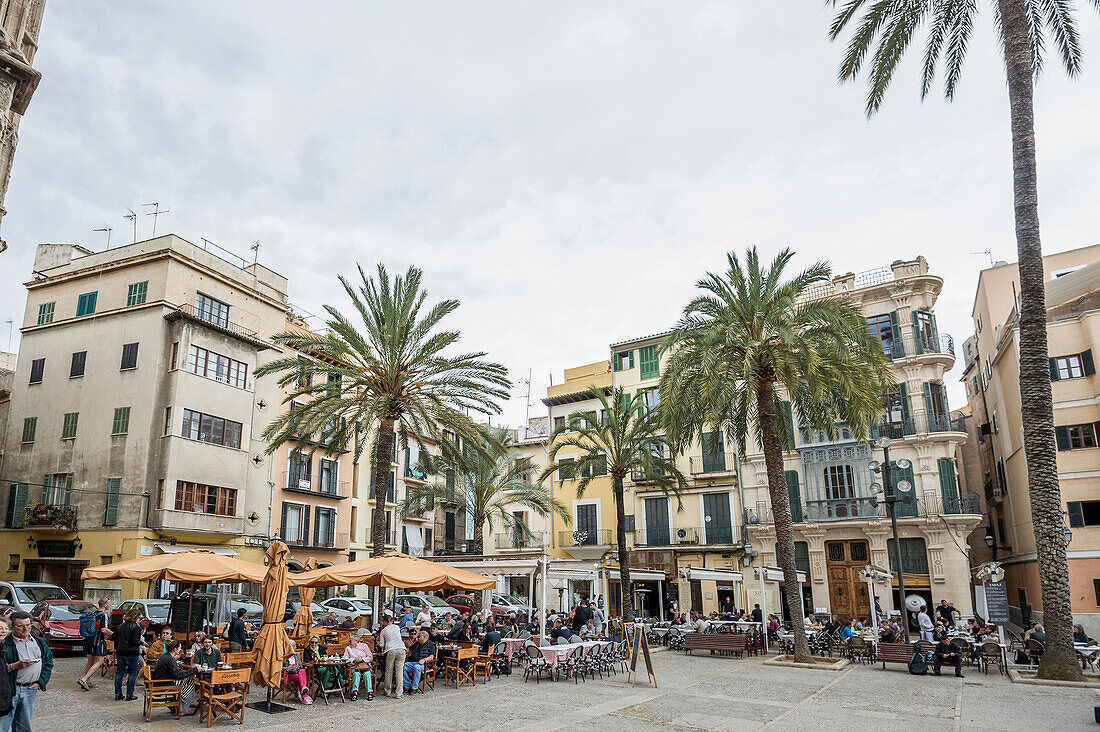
(155, 213)
(255, 251)
(132, 218)
(987, 253)
(527, 403)
(10, 328)
(108, 229)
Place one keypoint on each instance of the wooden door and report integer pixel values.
(844, 561)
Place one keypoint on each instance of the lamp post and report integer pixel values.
(891, 498)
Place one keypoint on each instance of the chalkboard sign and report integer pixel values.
(641, 645)
(178, 614)
(996, 602)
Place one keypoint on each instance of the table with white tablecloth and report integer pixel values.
(555, 654)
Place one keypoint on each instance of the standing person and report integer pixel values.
(238, 633)
(29, 663)
(5, 680)
(393, 649)
(94, 633)
(361, 662)
(424, 619)
(581, 616)
(925, 624)
(598, 618)
(600, 603)
(128, 654)
(757, 614)
(947, 613)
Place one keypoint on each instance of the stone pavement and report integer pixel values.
(698, 692)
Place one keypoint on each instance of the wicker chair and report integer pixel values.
(858, 649)
(536, 664)
(1035, 650)
(990, 652)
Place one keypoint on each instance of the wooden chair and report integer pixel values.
(460, 666)
(167, 693)
(239, 660)
(222, 645)
(109, 660)
(427, 679)
(483, 665)
(223, 695)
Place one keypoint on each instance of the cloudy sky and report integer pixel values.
(567, 170)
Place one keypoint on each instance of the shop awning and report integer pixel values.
(775, 574)
(176, 548)
(638, 575)
(714, 575)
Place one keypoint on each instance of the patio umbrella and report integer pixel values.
(395, 570)
(272, 645)
(303, 619)
(194, 565)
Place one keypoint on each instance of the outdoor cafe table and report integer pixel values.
(511, 645)
(554, 654)
(335, 667)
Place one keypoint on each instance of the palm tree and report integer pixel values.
(1024, 26)
(392, 374)
(627, 441)
(746, 337)
(491, 488)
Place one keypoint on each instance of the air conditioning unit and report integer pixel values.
(685, 536)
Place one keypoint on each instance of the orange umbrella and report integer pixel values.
(395, 570)
(303, 619)
(193, 565)
(272, 644)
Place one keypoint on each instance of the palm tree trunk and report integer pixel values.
(383, 456)
(1059, 660)
(781, 512)
(627, 591)
(479, 549)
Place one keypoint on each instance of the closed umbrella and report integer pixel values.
(303, 619)
(272, 644)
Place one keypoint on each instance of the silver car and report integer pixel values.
(25, 595)
(348, 607)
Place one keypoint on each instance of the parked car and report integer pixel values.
(26, 595)
(348, 607)
(58, 621)
(436, 607)
(502, 605)
(155, 610)
(254, 610)
(319, 612)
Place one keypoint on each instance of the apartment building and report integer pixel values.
(992, 385)
(135, 419)
(313, 485)
(841, 524)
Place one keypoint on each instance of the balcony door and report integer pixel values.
(656, 522)
(586, 528)
(716, 518)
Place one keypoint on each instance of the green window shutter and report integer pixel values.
(916, 333)
(949, 488)
(907, 507)
(85, 304)
(649, 362)
(136, 293)
(68, 429)
(794, 494)
(903, 393)
(895, 335)
(1076, 514)
(625, 401)
(121, 422)
(17, 505)
(1088, 368)
(935, 332)
(30, 426)
(788, 419)
(928, 404)
(616, 362)
(110, 509)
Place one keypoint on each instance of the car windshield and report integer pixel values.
(361, 604)
(431, 600)
(69, 611)
(506, 600)
(156, 612)
(250, 605)
(37, 593)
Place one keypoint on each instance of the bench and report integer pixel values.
(721, 642)
(898, 652)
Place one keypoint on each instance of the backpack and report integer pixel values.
(88, 625)
(917, 665)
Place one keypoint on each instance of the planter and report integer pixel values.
(818, 664)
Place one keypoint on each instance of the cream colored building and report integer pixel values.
(135, 418)
(992, 384)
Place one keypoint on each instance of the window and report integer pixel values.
(30, 426)
(1075, 436)
(129, 356)
(1095, 582)
(979, 322)
(45, 313)
(215, 366)
(924, 330)
(167, 421)
(135, 293)
(335, 383)
(207, 428)
(305, 378)
(76, 368)
(623, 361)
(121, 423)
(293, 529)
(200, 498)
(647, 358)
(59, 489)
(324, 527)
(85, 304)
(840, 481)
(13, 562)
(883, 327)
(175, 355)
(1001, 530)
(68, 429)
(330, 474)
(110, 507)
(1083, 513)
(299, 473)
(651, 398)
(1073, 366)
(714, 456)
(211, 310)
(914, 556)
(566, 469)
(559, 423)
(38, 365)
(600, 468)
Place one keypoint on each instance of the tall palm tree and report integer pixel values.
(491, 487)
(392, 374)
(1024, 27)
(627, 441)
(750, 335)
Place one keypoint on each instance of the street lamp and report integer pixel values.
(891, 498)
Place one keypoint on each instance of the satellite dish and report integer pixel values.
(914, 603)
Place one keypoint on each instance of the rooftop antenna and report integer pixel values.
(10, 328)
(132, 218)
(527, 414)
(987, 253)
(156, 212)
(108, 229)
(255, 251)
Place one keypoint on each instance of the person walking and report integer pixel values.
(5, 677)
(947, 613)
(599, 618)
(128, 654)
(94, 633)
(925, 624)
(237, 632)
(393, 649)
(29, 663)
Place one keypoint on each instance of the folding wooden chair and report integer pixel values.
(109, 660)
(464, 666)
(224, 694)
(483, 665)
(167, 693)
(239, 660)
(427, 679)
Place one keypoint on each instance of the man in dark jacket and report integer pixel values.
(492, 637)
(128, 638)
(30, 664)
(238, 634)
(581, 616)
(168, 665)
(946, 652)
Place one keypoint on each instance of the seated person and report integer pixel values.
(348, 623)
(1039, 634)
(296, 675)
(848, 630)
(560, 631)
(492, 637)
(361, 662)
(809, 622)
(1080, 636)
(330, 620)
(420, 653)
(407, 618)
(313, 654)
(168, 665)
(889, 632)
(208, 655)
(197, 645)
(462, 632)
(161, 646)
(436, 635)
(940, 633)
(588, 630)
(510, 625)
(945, 652)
